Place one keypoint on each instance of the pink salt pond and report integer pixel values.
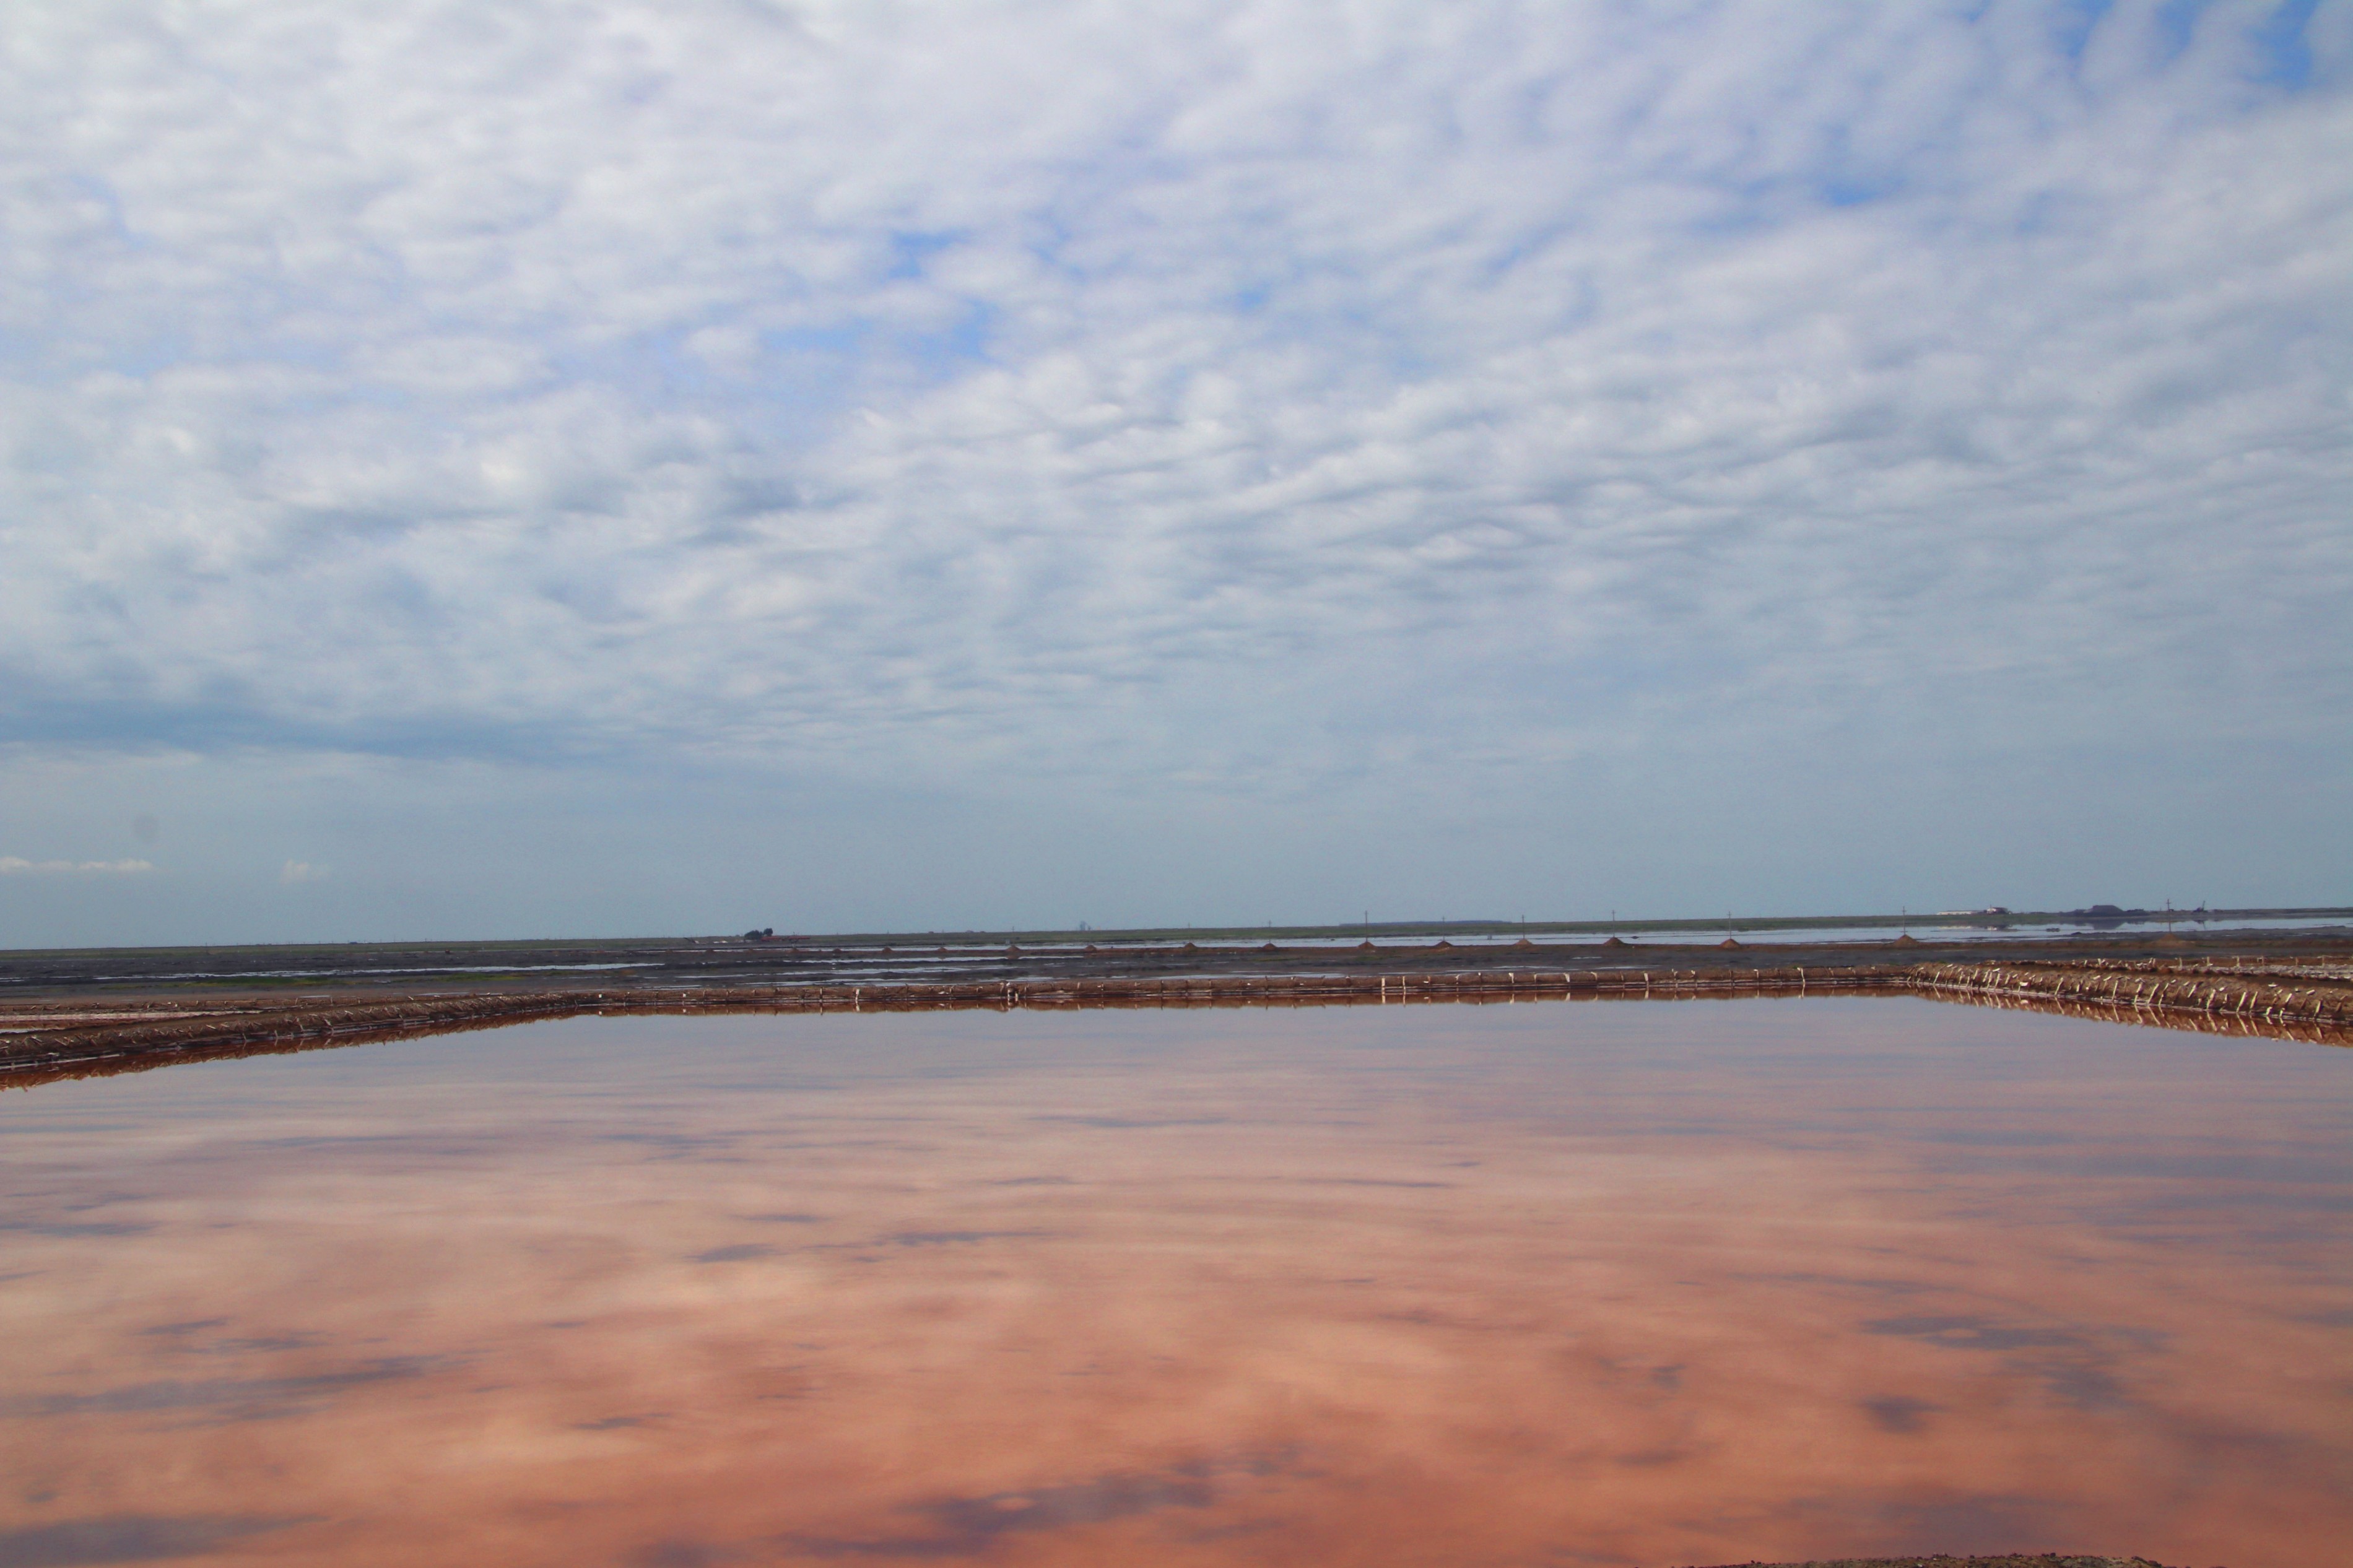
(1560, 1283)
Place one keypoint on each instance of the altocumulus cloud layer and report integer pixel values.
(889, 464)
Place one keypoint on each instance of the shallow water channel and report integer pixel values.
(1562, 1283)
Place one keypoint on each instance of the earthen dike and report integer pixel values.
(121, 1012)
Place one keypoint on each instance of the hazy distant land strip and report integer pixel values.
(764, 957)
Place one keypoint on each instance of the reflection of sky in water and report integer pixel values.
(1691, 1282)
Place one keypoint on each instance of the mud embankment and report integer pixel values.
(2045, 1559)
(49, 1039)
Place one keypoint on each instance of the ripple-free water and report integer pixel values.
(1589, 1283)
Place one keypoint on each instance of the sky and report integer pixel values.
(538, 467)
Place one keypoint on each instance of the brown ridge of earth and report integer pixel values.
(2046, 1559)
(44, 1040)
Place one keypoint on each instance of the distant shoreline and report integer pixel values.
(373, 971)
(2094, 923)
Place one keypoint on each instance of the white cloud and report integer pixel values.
(16, 866)
(294, 873)
(1250, 397)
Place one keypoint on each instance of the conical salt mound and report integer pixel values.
(1190, 948)
(1444, 942)
(1727, 942)
(1524, 942)
(1266, 947)
(1907, 939)
(1365, 945)
(1613, 941)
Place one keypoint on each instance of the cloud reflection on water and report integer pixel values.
(1692, 1284)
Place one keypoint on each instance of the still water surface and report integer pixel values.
(1556, 1283)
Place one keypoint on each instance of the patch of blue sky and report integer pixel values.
(1052, 242)
(959, 347)
(843, 341)
(1533, 242)
(1852, 191)
(2176, 27)
(2280, 37)
(1751, 206)
(680, 371)
(912, 249)
(653, 366)
(2077, 19)
(791, 390)
(802, 370)
(2283, 40)
(2039, 212)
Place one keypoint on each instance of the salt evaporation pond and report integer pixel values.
(1558, 1283)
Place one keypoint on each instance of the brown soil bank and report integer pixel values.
(2045, 1561)
(43, 1040)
